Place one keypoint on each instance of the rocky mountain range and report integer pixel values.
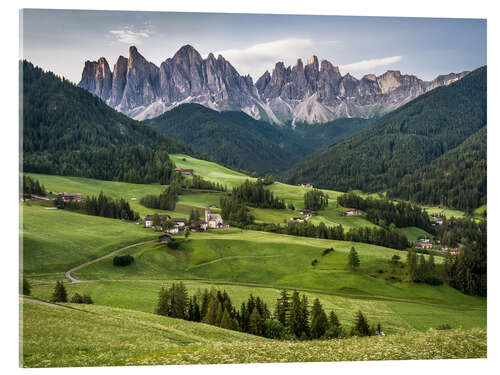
(311, 93)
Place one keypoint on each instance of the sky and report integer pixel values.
(62, 40)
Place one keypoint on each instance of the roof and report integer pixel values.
(150, 217)
(198, 223)
(179, 219)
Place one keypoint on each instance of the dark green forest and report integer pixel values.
(404, 141)
(68, 131)
(456, 179)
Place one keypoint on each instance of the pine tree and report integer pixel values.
(411, 264)
(26, 287)
(211, 314)
(226, 321)
(256, 323)
(319, 321)
(361, 327)
(333, 320)
(282, 307)
(60, 294)
(353, 259)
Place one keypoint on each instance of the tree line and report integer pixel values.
(197, 182)
(100, 206)
(386, 213)
(254, 194)
(292, 319)
(33, 186)
(315, 200)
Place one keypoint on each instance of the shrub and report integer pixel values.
(173, 244)
(86, 299)
(335, 332)
(314, 262)
(123, 260)
(433, 280)
(273, 329)
(77, 298)
(443, 327)
(26, 287)
(327, 251)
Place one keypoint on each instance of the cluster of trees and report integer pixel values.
(123, 260)
(61, 295)
(421, 270)
(268, 180)
(235, 212)
(68, 131)
(197, 182)
(254, 194)
(33, 186)
(315, 199)
(100, 206)
(292, 318)
(392, 237)
(403, 141)
(167, 200)
(467, 271)
(384, 212)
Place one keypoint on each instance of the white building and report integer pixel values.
(213, 220)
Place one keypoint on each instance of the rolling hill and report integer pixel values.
(403, 141)
(68, 131)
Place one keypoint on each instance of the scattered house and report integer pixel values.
(214, 221)
(133, 199)
(189, 172)
(173, 231)
(179, 222)
(426, 246)
(424, 239)
(308, 213)
(351, 212)
(297, 219)
(148, 220)
(437, 240)
(439, 219)
(70, 196)
(455, 252)
(164, 238)
(198, 226)
(307, 185)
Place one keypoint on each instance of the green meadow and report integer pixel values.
(92, 335)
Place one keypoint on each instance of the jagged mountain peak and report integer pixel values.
(307, 93)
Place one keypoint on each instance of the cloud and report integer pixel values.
(366, 66)
(129, 35)
(257, 58)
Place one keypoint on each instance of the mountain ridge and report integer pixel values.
(308, 93)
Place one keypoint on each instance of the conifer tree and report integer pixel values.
(353, 259)
(26, 287)
(411, 264)
(59, 294)
(226, 321)
(256, 323)
(361, 327)
(319, 321)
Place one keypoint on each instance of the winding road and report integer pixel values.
(74, 280)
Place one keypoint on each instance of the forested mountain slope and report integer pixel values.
(231, 138)
(69, 131)
(456, 179)
(239, 141)
(377, 158)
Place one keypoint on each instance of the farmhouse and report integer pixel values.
(179, 222)
(213, 220)
(424, 239)
(307, 185)
(198, 226)
(189, 172)
(173, 231)
(351, 212)
(426, 246)
(297, 219)
(70, 196)
(308, 213)
(148, 220)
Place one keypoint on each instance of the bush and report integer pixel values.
(273, 329)
(123, 260)
(26, 287)
(77, 298)
(86, 299)
(314, 262)
(433, 280)
(327, 251)
(443, 327)
(335, 332)
(173, 244)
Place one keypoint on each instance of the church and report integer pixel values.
(214, 220)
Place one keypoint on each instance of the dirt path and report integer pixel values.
(42, 303)
(74, 280)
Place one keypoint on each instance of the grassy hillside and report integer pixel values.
(99, 336)
(56, 240)
(68, 131)
(405, 140)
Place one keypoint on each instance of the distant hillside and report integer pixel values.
(239, 141)
(455, 179)
(377, 158)
(231, 138)
(68, 131)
